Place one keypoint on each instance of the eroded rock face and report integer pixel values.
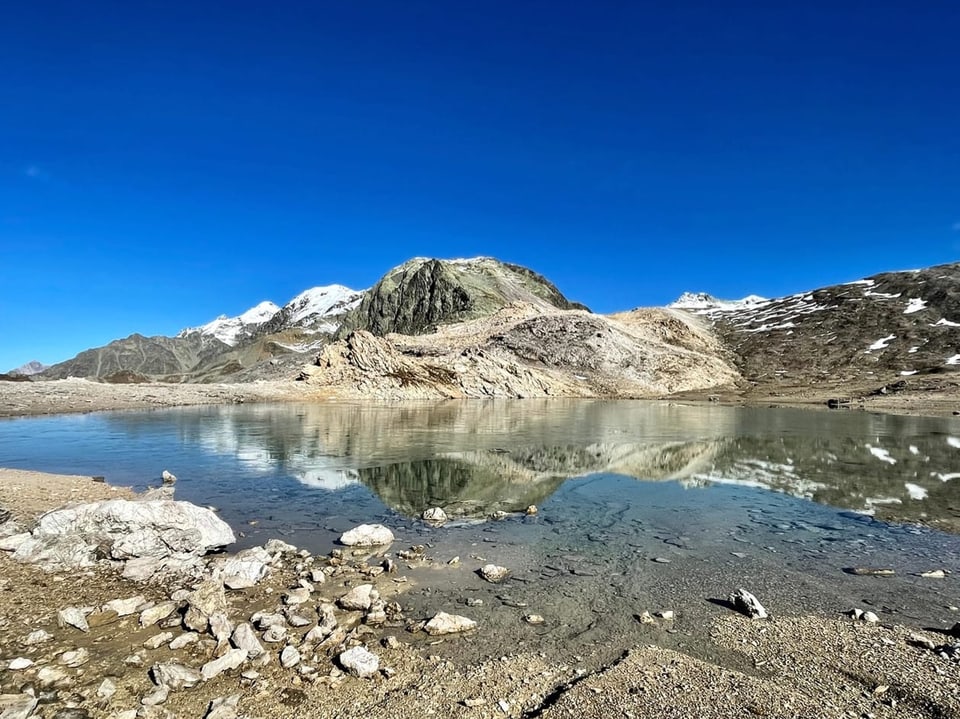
(78, 536)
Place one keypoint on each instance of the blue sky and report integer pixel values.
(163, 163)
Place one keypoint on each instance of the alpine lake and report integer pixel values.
(641, 506)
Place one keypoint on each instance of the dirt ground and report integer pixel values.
(812, 666)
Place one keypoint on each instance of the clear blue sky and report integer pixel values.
(162, 163)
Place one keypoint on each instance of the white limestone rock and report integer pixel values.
(367, 535)
(443, 623)
(360, 662)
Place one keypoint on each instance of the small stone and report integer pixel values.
(435, 515)
(275, 635)
(666, 614)
(278, 546)
(534, 619)
(174, 675)
(317, 576)
(646, 618)
(250, 675)
(493, 573)
(52, 676)
(499, 515)
(106, 689)
(473, 602)
(17, 706)
(504, 706)
(473, 703)
(296, 596)
(745, 603)
(870, 571)
(359, 662)
(870, 618)
(158, 640)
(289, 657)
(183, 640)
(168, 477)
(220, 626)
(359, 598)
(390, 642)
(531, 510)
(157, 696)
(223, 708)
(152, 615)
(38, 637)
(73, 617)
(19, 663)
(661, 560)
(443, 623)
(134, 660)
(231, 660)
(75, 658)
(934, 574)
(367, 535)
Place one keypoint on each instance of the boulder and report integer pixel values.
(367, 535)
(745, 603)
(124, 607)
(230, 660)
(245, 638)
(247, 568)
(359, 598)
(76, 537)
(174, 676)
(435, 515)
(202, 603)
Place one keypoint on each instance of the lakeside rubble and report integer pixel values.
(273, 630)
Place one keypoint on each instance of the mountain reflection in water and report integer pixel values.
(476, 457)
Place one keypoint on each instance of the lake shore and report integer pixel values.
(804, 665)
(24, 399)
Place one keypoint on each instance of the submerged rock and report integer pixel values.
(367, 535)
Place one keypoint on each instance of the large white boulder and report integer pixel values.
(367, 535)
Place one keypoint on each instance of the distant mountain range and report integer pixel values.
(480, 327)
(30, 368)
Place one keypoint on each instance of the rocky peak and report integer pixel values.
(421, 294)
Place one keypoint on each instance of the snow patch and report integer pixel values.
(881, 343)
(915, 305)
(912, 350)
(319, 302)
(945, 477)
(944, 322)
(915, 491)
(914, 449)
(881, 454)
(703, 301)
(229, 330)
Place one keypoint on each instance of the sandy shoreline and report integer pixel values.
(799, 666)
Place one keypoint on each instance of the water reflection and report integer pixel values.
(476, 457)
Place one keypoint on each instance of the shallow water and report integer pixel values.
(779, 500)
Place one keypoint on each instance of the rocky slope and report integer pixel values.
(527, 350)
(889, 332)
(422, 294)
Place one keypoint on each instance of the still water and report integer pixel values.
(642, 505)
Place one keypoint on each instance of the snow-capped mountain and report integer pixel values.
(694, 301)
(318, 309)
(230, 330)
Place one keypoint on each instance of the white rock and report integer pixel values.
(245, 638)
(296, 596)
(52, 676)
(278, 546)
(443, 623)
(75, 658)
(38, 636)
(152, 615)
(183, 640)
(359, 598)
(360, 662)
(157, 696)
(13, 542)
(125, 607)
(174, 675)
(19, 663)
(745, 603)
(869, 617)
(247, 568)
(317, 576)
(73, 617)
(17, 706)
(435, 515)
(275, 635)
(106, 689)
(158, 640)
(231, 660)
(367, 535)
(223, 708)
(493, 573)
(289, 657)
(206, 600)
(168, 477)
(72, 537)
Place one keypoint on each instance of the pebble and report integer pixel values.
(934, 574)
(157, 696)
(19, 663)
(38, 637)
(75, 658)
(534, 619)
(494, 573)
(289, 657)
(661, 560)
(106, 689)
(223, 708)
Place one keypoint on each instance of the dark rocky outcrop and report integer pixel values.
(422, 294)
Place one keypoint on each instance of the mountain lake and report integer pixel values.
(641, 506)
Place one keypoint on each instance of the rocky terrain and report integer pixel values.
(891, 333)
(143, 621)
